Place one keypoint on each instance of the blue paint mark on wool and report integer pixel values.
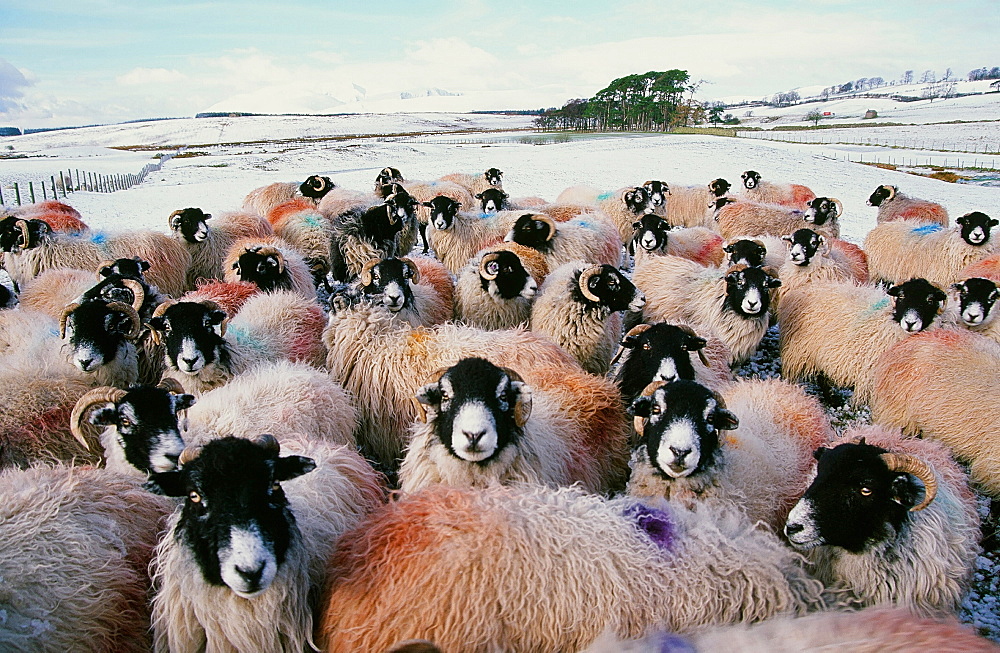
(925, 229)
(98, 238)
(669, 643)
(879, 305)
(312, 221)
(654, 523)
(605, 196)
(244, 340)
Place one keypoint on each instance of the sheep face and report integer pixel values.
(493, 176)
(716, 205)
(9, 233)
(746, 252)
(976, 228)
(803, 245)
(751, 179)
(401, 209)
(477, 409)
(24, 234)
(388, 282)
(192, 336)
(976, 298)
(191, 224)
(145, 422)
(235, 522)
(315, 187)
(636, 200)
(387, 176)
(657, 192)
(492, 200)
(650, 233)
(606, 286)
(658, 352)
(917, 304)
(748, 291)
(503, 276)
(532, 231)
(855, 501)
(719, 187)
(8, 299)
(443, 212)
(132, 268)
(821, 210)
(264, 267)
(680, 424)
(98, 332)
(881, 194)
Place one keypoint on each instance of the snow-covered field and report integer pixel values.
(228, 157)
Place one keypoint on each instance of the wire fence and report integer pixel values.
(70, 181)
(819, 138)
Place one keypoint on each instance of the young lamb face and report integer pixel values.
(650, 233)
(821, 210)
(388, 281)
(803, 245)
(191, 224)
(235, 522)
(751, 179)
(746, 252)
(492, 200)
(636, 200)
(657, 352)
(657, 191)
(98, 332)
(315, 187)
(881, 194)
(493, 176)
(606, 286)
(976, 297)
(477, 409)
(192, 336)
(748, 291)
(145, 421)
(443, 212)
(976, 227)
(917, 304)
(264, 267)
(680, 426)
(719, 187)
(503, 276)
(855, 502)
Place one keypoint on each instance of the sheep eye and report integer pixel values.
(125, 422)
(195, 497)
(655, 410)
(275, 487)
(646, 346)
(866, 491)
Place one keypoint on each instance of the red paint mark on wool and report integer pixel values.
(307, 343)
(278, 214)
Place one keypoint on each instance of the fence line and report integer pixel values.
(813, 138)
(85, 181)
(913, 161)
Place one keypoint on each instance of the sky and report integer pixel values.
(99, 62)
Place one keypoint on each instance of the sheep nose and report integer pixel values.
(679, 454)
(85, 363)
(189, 361)
(473, 438)
(792, 528)
(251, 576)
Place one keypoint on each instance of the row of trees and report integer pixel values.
(984, 73)
(653, 101)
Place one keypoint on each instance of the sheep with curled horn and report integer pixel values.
(893, 204)
(261, 200)
(769, 192)
(416, 290)
(210, 242)
(589, 237)
(746, 219)
(100, 340)
(271, 264)
(623, 206)
(372, 231)
(497, 287)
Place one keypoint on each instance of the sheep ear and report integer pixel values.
(427, 204)
(894, 291)
(640, 407)
(478, 196)
(169, 484)
(786, 238)
(522, 404)
(103, 416)
(694, 343)
(184, 401)
(905, 490)
(288, 467)
(772, 282)
(725, 420)
(428, 396)
(818, 453)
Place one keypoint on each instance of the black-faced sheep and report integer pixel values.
(976, 307)
(903, 249)
(209, 245)
(889, 520)
(416, 290)
(262, 200)
(693, 206)
(654, 236)
(737, 219)
(271, 264)
(768, 192)
(496, 288)
(894, 205)
(623, 206)
(457, 236)
(577, 308)
(362, 234)
(426, 192)
(492, 178)
(589, 238)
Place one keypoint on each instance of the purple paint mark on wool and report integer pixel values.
(655, 523)
(674, 644)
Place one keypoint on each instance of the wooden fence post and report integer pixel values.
(55, 195)
(31, 189)
(17, 193)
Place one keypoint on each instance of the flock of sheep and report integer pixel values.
(434, 417)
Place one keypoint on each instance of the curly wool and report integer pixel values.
(208, 256)
(905, 249)
(537, 569)
(792, 195)
(904, 207)
(590, 237)
(698, 244)
(297, 274)
(749, 219)
(52, 290)
(690, 206)
(261, 200)
(474, 184)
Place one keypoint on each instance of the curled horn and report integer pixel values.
(892, 191)
(122, 307)
(639, 423)
(138, 293)
(701, 352)
(421, 410)
(414, 270)
(492, 256)
(634, 331)
(62, 319)
(171, 385)
(522, 407)
(102, 395)
(271, 251)
(104, 264)
(212, 306)
(26, 235)
(158, 312)
(366, 271)
(541, 217)
(839, 205)
(902, 462)
(269, 442)
(190, 453)
(585, 276)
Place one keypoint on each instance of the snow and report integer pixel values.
(228, 157)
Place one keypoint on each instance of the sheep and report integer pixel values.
(985, 268)
(654, 236)
(839, 329)
(889, 520)
(425, 191)
(456, 236)
(662, 352)
(52, 290)
(530, 568)
(733, 304)
(492, 178)
(761, 464)
(58, 215)
(8, 293)
(381, 363)
(768, 192)
(207, 245)
(205, 350)
(262, 200)
(362, 234)
(903, 249)
(416, 290)
(497, 286)
(271, 264)
(759, 252)
(736, 219)
(588, 238)
(100, 340)
(691, 206)
(342, 200)
(388, 176)
(229, 295)
(300, 224)
(577, 308)
(894, 205)
(37, 251)
(480, 425)
(244, 556)
(811, 257)
(976, 307)
(77, 543)
(940, 386)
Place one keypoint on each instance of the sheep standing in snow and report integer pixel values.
(769, 192)
(209, 245)
(588, 238)
(654, 237)
(894, 205)
(271, 264)
(416, 290)
(496, 288)
(492, 178)
(736, 219)
(364, 233)
(261, 200)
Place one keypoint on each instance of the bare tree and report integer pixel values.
(908, 77)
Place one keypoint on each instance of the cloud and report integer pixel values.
(11, 83)
(159, 76)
